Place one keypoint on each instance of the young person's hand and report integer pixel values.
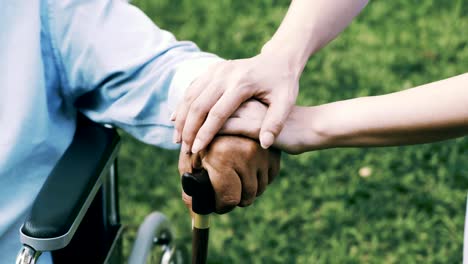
(239, 170)
(271, 77)
(301, 131)
(400, 118)
(215, 95)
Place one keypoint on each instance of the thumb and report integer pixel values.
(272, 125)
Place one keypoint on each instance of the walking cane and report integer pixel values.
(198, 186)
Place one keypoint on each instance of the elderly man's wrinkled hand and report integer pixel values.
(239, 169)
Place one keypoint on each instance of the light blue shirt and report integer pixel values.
(102, 57)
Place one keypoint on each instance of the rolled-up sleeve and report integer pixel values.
(118, 67)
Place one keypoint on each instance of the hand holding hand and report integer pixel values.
(214, 96)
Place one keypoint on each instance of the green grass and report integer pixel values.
(319, 210)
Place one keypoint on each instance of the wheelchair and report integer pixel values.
(75, 216)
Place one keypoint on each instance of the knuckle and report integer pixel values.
(249, 147)
(197, 107)
(228, 66)
(202, 135)
(217, 115)
(245, 91)
(226, 203)
(223, 148)
(237, 75)
(188, 136)
(229, 201)
(220, 147)
(191, 96)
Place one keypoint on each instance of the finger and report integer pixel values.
(246, 120)
(249, 187)
(198, 112)
(192, 93)
(227, 187)
(221, 111)
(241, 126)
(274, 164)
(196, 160)
(185, 161)
(262, 180)
(272, 125)
(185, 165)
(246, 166)
(181, 116)
(188, 162)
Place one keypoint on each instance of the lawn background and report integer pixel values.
(320, 210)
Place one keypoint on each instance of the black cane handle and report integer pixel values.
(198, 185)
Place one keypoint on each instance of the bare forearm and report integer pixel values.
(310, 25)
(427, 113)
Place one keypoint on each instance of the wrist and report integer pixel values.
(305, 130)
(323, 127)
(286, 55)
(334, 125)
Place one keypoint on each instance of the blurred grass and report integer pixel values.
(319, 210)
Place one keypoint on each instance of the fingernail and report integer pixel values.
(173, 116)
(196, 146)
(266, 139)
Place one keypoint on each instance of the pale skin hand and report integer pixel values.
(239, 170)
(271, 77)
(220, 91)
(427, 113)
(247, 121)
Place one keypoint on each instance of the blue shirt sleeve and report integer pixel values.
(118, 67)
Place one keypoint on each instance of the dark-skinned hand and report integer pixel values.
(239, 169)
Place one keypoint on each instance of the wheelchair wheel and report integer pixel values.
(155, 243)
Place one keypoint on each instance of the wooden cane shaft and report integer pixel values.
(200, 245)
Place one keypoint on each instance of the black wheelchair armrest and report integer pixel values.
(70, 188)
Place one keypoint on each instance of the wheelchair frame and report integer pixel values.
(76, 213)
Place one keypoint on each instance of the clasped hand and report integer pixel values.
(238, 167)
